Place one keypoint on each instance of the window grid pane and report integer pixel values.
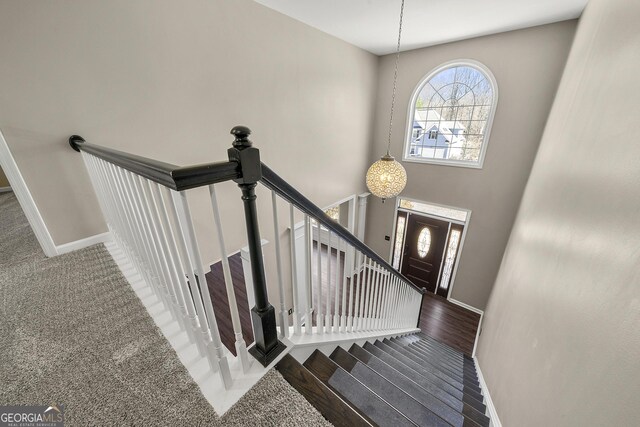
(452, 111)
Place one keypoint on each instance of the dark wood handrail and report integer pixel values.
(245, 169)
(175, 177)
(274, 182)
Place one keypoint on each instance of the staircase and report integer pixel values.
(412, 380)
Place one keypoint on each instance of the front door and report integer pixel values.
(423, 250)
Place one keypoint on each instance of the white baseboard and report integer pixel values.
(493, 414)
(5, 189)
(475, 310)
(467, 306)
(83, 243)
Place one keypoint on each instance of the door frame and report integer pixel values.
(465, 224)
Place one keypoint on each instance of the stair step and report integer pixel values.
(438, 360)
(471, 389)
(436, 347)
(454, 361)
(463, 360)
(468, 367)
(459, 373)
(365, 401)
(453, 400)
(413, 337)
(327, 402)
(428, 375)
(434, 342)
(393, 395)
(451, 414)
(469, 382)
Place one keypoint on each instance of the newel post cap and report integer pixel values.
(242, 137)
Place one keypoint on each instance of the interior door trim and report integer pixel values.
(465, 229)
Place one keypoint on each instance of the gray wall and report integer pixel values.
(527, 65)
(168, 80)
(561, 338)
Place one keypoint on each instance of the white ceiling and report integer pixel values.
(373, 24)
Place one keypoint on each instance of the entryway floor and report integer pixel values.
(449, 323)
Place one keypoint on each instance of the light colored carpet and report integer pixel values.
(74, 332)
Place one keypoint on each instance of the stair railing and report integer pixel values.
(145, 204)
(346, 287)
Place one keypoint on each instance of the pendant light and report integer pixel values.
(386, 178)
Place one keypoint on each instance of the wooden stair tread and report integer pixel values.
(409, 381)
(449, 399)
(368, 404)
(470, 389)
(393, 395)
(325, 400)
(444, 411)
(445, 386)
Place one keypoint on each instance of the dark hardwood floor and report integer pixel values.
(215, 281)
(449, 323)
(440, 319)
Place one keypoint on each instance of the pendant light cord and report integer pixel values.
(395, 80)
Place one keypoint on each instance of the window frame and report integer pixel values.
(411, 114)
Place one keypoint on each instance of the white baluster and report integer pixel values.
(319, 318)
(350, 259)
(124, 192)
(376, 297)
(343, 307)
(146, 235)
(185, 303)
(294, 272)
(406, 306)
(362, 260)
(100, 195)
(284, 317)
(308, 325)
(384, 311)
(336, 297)
(161, 251)
(382, 301)
(393, 293)
(369, 285)
(117, 213)
(159, 242)
(363, 293)
(352, 279)
(217, 356)
(327, 319)
(197, 315)
(241, 346)
(398, 317)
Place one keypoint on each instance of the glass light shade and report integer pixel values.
(386, 178)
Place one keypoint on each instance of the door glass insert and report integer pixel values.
(424, 242)
(452, 249)
(398, 243)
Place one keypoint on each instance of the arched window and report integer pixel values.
(450, 115)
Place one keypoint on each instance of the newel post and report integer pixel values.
(263, 315)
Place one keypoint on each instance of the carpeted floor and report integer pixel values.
(73, 332)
